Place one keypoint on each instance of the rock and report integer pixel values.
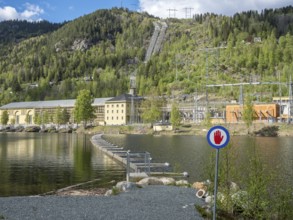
(199, 185)
(151, 181)
(125, 186)
(80, 44)
(268, 131)
(32, 129)
(209, 199)
(233, 187)
(182, 183)
(109, 193)
(167, 181)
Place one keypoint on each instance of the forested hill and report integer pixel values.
(101, 50)
(16, 31)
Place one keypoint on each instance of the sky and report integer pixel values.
(66, 10)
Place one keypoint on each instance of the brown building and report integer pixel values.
(262, 112)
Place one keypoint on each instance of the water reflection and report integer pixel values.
(38, 163)
(193, 154)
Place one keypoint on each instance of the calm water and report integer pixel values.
(33, 163)
(192, 153)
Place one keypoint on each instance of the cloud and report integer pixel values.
(184, 8)
(31, 13)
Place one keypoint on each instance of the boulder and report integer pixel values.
(209, 199)
(151, 181)
(109, 192)
(182, 183)
(167, 181)
(125, 186)
(32, 129)
(233, 187)
(199, 185)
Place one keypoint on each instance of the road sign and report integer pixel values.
(218, 137)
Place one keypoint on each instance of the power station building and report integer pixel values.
(119, 110)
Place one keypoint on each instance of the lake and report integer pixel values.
(193, 154)
(35, 163)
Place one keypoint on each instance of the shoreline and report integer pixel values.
(238, 129)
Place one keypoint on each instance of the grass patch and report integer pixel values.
(115, 191)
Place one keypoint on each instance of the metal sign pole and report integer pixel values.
(216, 184)
(128, 167)
(218, 137)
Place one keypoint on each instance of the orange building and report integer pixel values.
(234, 113)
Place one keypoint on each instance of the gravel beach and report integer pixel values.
(150, 202)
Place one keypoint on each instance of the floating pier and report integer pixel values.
(138, 164)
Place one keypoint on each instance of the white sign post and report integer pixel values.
(218, 137)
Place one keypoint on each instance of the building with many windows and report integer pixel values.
(122, 110)
(23, 113)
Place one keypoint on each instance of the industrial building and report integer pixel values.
(108, 111)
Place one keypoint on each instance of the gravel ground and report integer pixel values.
(151, 202)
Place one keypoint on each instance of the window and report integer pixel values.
(112, 111)
(122, 111)
(112, 118)
(117, 111)
(117, 117)
(107, 111)
(107, 118)
(117, 105)
(122, 105)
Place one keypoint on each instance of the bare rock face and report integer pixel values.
(80, 44)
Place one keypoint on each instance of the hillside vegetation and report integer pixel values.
(101, 50)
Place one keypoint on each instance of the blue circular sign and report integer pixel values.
(218, 137)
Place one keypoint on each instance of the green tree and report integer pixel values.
(45, 117)
(248, 112)
(4, 117)
(58, 116)
(38, 119)
(151, 110)
(83, 109)
(175, 115)
(65, 116)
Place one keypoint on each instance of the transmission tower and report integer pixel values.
(188, 12)
(172, 10)
(132, 93)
